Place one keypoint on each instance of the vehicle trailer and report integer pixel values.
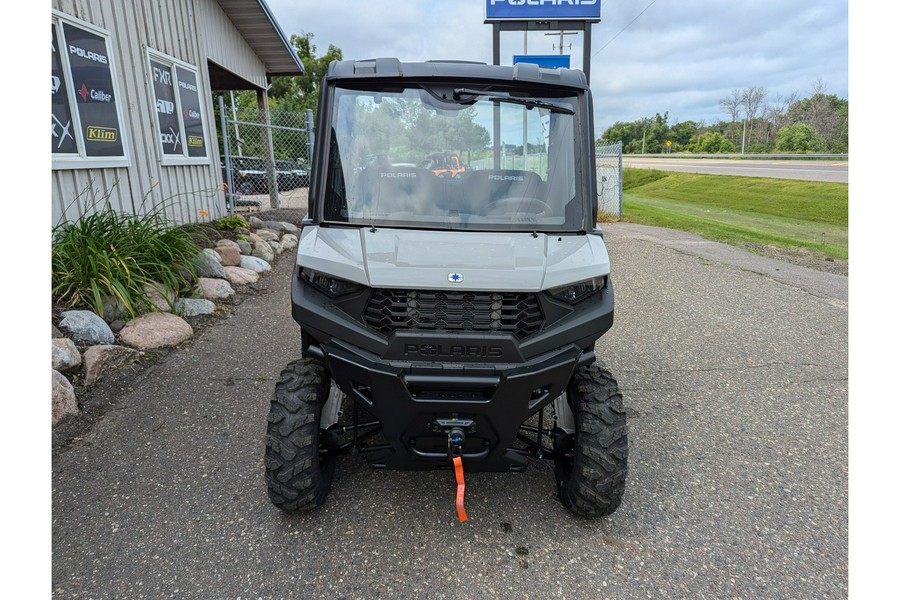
(451, 322)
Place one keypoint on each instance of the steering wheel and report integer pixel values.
(517, 204)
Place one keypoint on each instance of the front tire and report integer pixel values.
(298, 474)
(591, 477)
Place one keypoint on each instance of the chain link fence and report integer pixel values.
(266, 161)
(609, 178)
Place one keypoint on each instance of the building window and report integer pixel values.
(179, 110)
(85, 124)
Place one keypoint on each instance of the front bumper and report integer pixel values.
(491, 383)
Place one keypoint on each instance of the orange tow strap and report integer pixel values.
(460, 489)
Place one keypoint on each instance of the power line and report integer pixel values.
(623, 29)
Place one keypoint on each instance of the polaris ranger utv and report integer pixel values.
(457, 317)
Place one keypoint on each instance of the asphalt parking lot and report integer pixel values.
(733, 369)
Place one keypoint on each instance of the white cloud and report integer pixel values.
(681, 57)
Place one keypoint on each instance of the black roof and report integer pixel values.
(392, 68)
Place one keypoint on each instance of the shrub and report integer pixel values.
(231, 223)
(114, 254)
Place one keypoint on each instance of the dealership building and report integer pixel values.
(132, 117)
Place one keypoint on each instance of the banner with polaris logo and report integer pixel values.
(555, 10)
(189, 96)
(62, 138)
(91, 75)
(164, 91)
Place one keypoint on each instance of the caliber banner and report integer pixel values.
(92, 79)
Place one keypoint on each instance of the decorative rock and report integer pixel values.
(160, 300)
(230, 255)
(245, 247)
(256, 223)
(277, 247)
(243, 230)
(268, 235)
(56, 332)
(86, 327)
(255, 239)
(155, 330)
(255, 264)
(241, 276)
(289, 241)
(113, 308)
(208, 264)
(282, 226)
(275, 226)
(65, 355)
(225, 242)
(99, 360)
(264, 251)
(194, 307)
(117, 325)
(63, 400)
(216, 289)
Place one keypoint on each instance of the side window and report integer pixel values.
(179, 110)
(85, 119)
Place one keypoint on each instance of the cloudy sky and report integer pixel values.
(648, 56)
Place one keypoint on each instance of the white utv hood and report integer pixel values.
(468, 260)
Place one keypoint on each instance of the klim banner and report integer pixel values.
(541, 10)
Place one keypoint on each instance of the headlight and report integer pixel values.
(576, 292)
(331, 286)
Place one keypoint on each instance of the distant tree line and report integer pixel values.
(817, 124)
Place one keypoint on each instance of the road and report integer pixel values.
(808, 170)
(734, 373)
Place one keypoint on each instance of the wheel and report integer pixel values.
(298, 473)
(517, 204)
(591, 476)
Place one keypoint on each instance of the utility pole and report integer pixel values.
(561, 34)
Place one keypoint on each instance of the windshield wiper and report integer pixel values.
(529, 102)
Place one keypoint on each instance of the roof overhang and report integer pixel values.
(256, 23)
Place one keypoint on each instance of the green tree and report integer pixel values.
(711, 142)
(800, 138)
(301, 92)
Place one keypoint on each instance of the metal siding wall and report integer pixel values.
(183, 29)
(225, 46)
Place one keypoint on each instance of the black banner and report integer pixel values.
(92, 79)
(61, 128)
(166, 113)
(189, 95)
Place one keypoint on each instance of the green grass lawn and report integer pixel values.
(782, 213)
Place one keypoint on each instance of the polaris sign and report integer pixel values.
(542, 10)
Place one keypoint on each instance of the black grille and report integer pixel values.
(430, 310)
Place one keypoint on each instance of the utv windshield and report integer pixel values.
(454, 158)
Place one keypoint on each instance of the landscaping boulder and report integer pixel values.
(216, 289)
(230, 255)
(65, 355)
(155, 330)
(208, 264)
(269, 235)
(241, 276)
(113, 309)
(256, 222)
(276, 247)
(194, 307)
(226, 242)
(245, 247)
(63, 401)
(162, 301)
(264, 251)
(255, 264)
(86, 327)
(99, 360)
(289, 241)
